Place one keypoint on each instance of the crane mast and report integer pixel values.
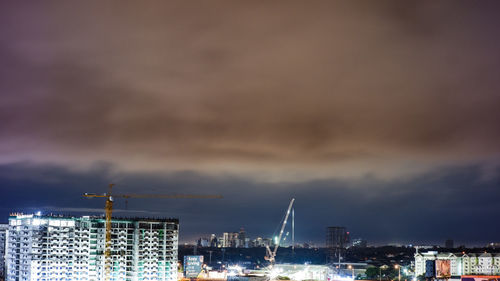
(107, 246)
(271, 255)
(293, 232)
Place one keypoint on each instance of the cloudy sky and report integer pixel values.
(379, 116)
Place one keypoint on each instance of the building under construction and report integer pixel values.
(337, 240)
(47, 248)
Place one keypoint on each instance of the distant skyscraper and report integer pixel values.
(225, 240)
(213, 241)
(203, 242)
(337, 239)
(242, 238)
(234, 242)
(230, 240)
(449, 244)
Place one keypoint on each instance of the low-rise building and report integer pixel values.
(461, 263)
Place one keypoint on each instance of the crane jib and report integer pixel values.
(109, 212)
(272, 255)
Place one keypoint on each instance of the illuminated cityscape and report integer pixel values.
(250, 140)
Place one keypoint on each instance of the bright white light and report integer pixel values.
(342, 278)
(274, 273)
(234, 270)
(38, 213)
(55, 223)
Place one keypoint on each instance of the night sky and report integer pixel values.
(381, 116)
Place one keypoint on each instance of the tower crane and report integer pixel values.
(271, 255)
(109, 211)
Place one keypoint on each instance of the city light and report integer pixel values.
(69, 238)
(381, 118)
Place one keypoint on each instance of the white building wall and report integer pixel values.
(3, 236)
(462, 264)
(63, 249)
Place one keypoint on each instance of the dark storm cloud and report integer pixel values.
(319, 89)
(381, 116)
(452, 202)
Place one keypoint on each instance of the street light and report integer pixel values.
(352, 269)
(399, 271)
(380, 271)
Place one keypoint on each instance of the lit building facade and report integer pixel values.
(3, 235)
(461, 263)
(230, 240)
(50, 248)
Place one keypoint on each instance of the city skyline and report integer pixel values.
(378, 116)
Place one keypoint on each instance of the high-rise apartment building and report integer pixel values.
(337, 240)
(3, 234)
(50, 248)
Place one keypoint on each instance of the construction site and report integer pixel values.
(49, 247)
(93, 248)
(271, 269)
